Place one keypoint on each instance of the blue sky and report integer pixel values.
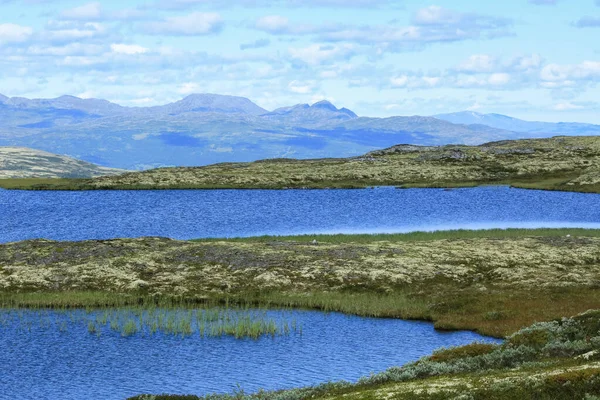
(533, 59)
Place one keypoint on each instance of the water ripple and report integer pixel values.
(226, 213)
(46, 363)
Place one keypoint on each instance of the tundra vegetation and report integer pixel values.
(559, 163)
(503, 283)
(152, 318)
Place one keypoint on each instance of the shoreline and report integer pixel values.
(51, 185)
(494, 282)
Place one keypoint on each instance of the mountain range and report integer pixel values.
(203, 129)
(500, 121)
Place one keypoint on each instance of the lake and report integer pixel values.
(53, 355)
(182, 214)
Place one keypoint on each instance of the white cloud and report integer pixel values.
(220, 149)
(430, 25)
(415, 82)
(399, 81)
(144, 101)
(328, 74)
(432, 80)
(66, 31)
(71, 49)
(557, 73)
(499, 79)
(478, 63)
(527, 63)
(88, 94)
(13, 33)
(189, 88)
(317, 54)
(129, 49)
(474, 107)
(568, 106)
(79, 61)
(194, 24)
(301, 87)
(273, 24)
(435, 15)
(86, 12)
(145, 135)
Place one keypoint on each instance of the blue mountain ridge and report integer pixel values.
(203, 129)
(500, 121)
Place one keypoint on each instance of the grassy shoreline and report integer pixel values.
(83, 185)
(491, 281)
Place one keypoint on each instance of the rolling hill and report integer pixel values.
(559, 163)
(20, 162)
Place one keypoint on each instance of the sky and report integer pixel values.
(531, 59)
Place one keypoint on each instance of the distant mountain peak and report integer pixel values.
(77, 102)
(349, 112)
(68, 97)
(3, 98)
(320, 111)
(325, 104)
(206, 97)
(210, 102)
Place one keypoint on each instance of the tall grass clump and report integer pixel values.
(128, 321)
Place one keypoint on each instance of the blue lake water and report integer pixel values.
(184, 214)
(44, 363)
(40, 360)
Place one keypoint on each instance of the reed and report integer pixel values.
(210, 322)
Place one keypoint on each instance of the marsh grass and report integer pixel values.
(129, 321)
(498, 311)
(419, 236)
(397, 305)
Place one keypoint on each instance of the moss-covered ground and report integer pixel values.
(560, 163)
